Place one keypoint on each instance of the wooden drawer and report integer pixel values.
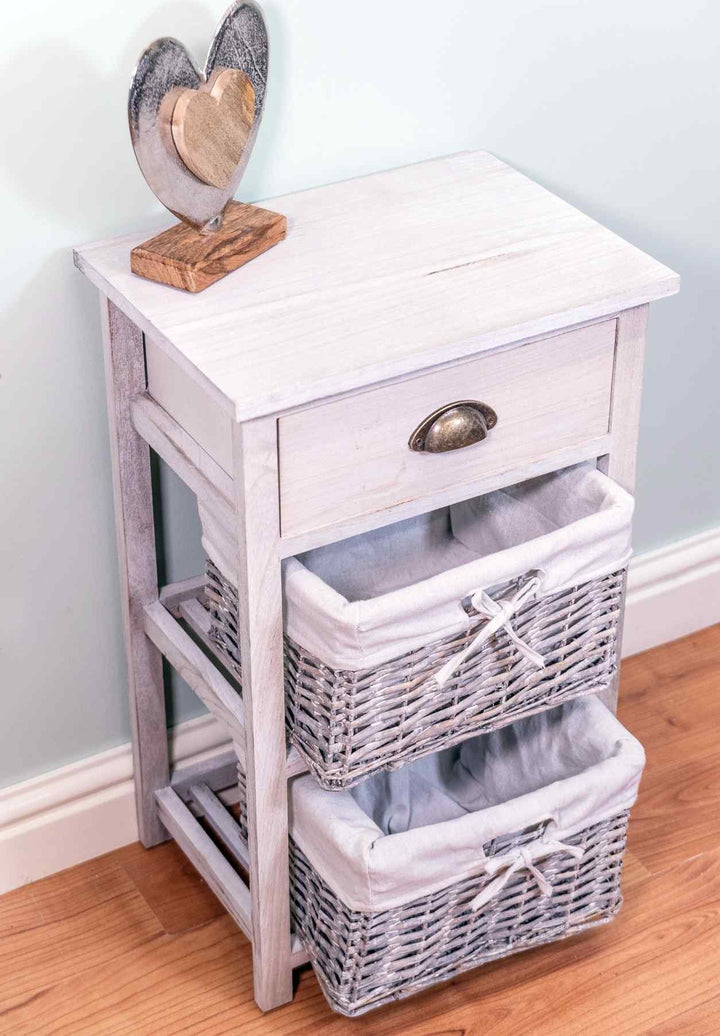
(351, 457)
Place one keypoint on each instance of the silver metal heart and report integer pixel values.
(164, 69)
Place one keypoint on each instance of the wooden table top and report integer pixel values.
(382, 276)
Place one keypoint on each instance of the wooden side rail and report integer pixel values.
(183, 454)
(196, 668)
(172, 595)
(197, 617)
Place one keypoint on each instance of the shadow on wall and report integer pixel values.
(60, 619)
(75, 180)
(60, 626)
(81, 170)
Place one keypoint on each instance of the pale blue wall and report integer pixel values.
(613, 105)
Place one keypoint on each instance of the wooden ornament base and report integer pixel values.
(182, 257)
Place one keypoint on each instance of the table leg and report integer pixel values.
(620, 463)
(261, 644)
(125, 378)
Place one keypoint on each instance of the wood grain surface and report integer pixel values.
(183, 257)
(210, 126)
(137, 561)
(260, 634)
(350, 457)
(133, 944)
(387, 275)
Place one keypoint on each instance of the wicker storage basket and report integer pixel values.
(411, 638)
(512, 840)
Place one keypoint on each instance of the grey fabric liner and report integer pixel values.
(484, 771)
(372, 598)
(404, 835)
(412, 551)
(422, 547)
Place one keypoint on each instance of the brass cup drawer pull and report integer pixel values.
(453, 426)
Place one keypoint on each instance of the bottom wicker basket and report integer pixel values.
(513, 839)
(364, 960)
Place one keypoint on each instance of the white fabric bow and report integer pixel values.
(522, 860)
(500, 614)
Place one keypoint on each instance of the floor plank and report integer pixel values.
(171, 886)
(677, 814)
(703, 1019)
(63, 895)
(134, 943)
(18, 911)
(90, 915)
(633, 871)
(670, 701)
(199, 982)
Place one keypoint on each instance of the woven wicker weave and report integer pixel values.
(365, 960)
(348, 725)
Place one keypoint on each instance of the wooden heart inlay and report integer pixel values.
(211, 126)
(193, 131)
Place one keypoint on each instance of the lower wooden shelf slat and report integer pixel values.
(222, 823)
(204, 854)
(195, 787)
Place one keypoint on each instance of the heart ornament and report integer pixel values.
(193, 132)
(211, 127)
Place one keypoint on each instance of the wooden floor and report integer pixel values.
(134, 943)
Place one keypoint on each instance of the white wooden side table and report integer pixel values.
(284, 396)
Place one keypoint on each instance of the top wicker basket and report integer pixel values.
(417, 636)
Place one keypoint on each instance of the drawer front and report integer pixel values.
(350, 457)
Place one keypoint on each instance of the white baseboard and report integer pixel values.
(672, 591)
(86, 809)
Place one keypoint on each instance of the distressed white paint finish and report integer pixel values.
(218, 773)
(260, 629)
(196, 669)
(382, 276)
(351, 457)
(221, 821)
(375, 311)
(202, 852)
(184, 600)
(125, 376)
(182, 453)
(175, 594)
(619, 463)
(189, 403)
(588, 450)
(207, 480)
(627, 393)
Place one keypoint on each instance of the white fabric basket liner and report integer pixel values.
(372, 598)
(403, 835)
